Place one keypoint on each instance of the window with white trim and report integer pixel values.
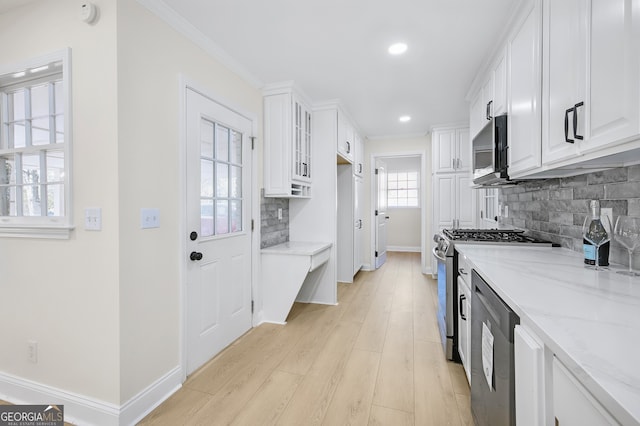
(403, 189)
(34, 147)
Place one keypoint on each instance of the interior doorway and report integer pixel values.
(403, 187)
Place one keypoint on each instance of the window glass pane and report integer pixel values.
(402, 202)
(222, 217)
(59, 98)
(392, 177)
(222, 180)
(31, 169)
(59, 128)
(393, 185)
(392, 194)
(8, 201)
(402, 177)
(40, 131)
(40, 101)
(412, 184)
(236, 216)
(402, 194)
(206, 178)
(7, 169)
(16, 105)
(222, 143)
(412, 193)
(206, 139)
(55, 166)
(412, 176)
(31, 200)
(236, 182)
(206, 218)
(16, 135)
(236, 147)
(55, 200)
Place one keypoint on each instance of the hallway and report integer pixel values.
(373, 359)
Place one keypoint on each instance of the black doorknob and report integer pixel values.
(195, 255)
(193, 236)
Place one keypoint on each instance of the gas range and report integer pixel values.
(447, 239)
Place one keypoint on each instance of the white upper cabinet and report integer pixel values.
(346, 138)
(612, 102)
(591, 76)
(451, 150)
(524, 83)
(358, 166)
(487, 96)
(499, 105)
(287, 143)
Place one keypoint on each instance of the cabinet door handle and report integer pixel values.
(566, 125)
(575, 121)
(348, 147)
(462, 299)
(462, 271)
(489, 110)
(453, 163)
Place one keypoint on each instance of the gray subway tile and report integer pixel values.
(589, 192)
(608, 176)
(618, 191)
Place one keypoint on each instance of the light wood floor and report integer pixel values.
(375, 359)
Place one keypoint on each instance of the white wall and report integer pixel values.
(151, 57)
(104, 306)
(64, 294)
(404, 222)
(392, 147)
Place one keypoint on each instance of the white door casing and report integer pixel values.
(218, 210)
(381, 213)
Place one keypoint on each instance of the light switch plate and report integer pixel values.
(149, 218)
(93, 219)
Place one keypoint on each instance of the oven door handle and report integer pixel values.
(435, 253)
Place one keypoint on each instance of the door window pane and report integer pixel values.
(206, 178)
(206, 218)
(222, 143)
(236, 182)
(206, 139)
(222, 217)
(222, 180)
(236, 216)
(236, 148)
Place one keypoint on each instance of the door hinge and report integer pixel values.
(251, 225)
(376, 171)
(253, 143)
(376, 254)
(376, 212)
(252, 306)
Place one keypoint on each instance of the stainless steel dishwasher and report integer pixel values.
(492, 365)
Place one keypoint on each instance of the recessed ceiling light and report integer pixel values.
(398, 48)
(405, 118)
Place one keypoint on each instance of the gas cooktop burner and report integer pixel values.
(490, 235)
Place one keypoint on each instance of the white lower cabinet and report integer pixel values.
(573, 405)
(529, 376)
(464, 315)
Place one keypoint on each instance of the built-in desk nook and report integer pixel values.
(286, 268)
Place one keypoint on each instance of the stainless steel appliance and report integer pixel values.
(490, 153)
(492, 360)
(445, 253)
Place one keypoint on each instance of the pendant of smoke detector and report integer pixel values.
(88, 13)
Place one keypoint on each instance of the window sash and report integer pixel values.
(403, 189)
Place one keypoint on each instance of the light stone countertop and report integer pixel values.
(589, 319)
(300, 248)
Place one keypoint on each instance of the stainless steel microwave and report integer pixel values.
(490, 146)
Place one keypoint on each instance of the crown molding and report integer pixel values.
(184, 27)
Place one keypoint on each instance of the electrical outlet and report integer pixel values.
(608, 212)
(32, 351)
(506, 211)
(280, 213)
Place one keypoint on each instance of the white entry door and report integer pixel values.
(381, 213)
(218, 227)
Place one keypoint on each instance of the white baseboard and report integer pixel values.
(148, 399)
(404, 249)
(82, 410)
(78, 409)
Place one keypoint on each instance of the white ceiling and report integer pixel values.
(337, 49)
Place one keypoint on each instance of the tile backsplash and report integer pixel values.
(273, 230)
(554, 209)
